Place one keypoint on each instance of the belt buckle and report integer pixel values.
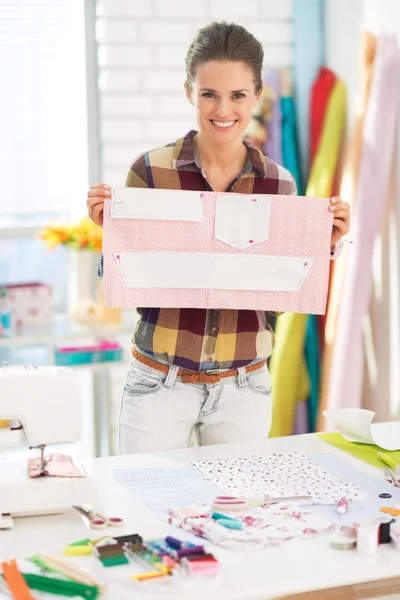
(214, 374)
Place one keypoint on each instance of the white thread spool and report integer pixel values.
(341, 541)
(367, 538)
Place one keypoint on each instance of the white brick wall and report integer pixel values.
(141, 52)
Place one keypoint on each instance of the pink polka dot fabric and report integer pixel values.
(299, 227)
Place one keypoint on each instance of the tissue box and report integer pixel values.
(29, 303)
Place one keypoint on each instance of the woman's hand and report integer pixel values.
(95, 201)
(341, 219)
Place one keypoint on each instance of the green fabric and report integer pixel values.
(366, 452)
(311, 351)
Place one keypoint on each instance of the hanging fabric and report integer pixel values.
(347, 193)
(320, 185)
(376, 162)
(319, 103)
(290, 157)
(288, 368)
(320, 93)
(272, 146)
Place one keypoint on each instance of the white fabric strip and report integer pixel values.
(166, 205)
(213, 271)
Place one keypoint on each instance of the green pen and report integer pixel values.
(61, 587)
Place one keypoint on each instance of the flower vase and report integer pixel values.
(82, 286)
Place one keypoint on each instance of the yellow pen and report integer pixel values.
(149, 575)
(392, 464)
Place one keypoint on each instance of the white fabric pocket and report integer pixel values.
(242, 220)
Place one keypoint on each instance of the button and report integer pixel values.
(213, 329)
(385, 495)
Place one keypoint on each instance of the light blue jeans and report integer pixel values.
(159, 412)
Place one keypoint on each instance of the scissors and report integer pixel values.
(99, 521)
(235, 503)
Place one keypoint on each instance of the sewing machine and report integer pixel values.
(43, 403)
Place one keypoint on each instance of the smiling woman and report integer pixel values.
(197, 369)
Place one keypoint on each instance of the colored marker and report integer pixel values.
(149, 575)
(392, 464)
(83, 542)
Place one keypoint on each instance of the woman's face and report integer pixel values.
(224, 96)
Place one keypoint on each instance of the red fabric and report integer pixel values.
(320, 93)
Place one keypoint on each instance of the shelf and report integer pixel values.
(62, 329)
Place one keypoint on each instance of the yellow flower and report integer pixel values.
(84, 234)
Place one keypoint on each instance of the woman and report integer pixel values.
(193, 369)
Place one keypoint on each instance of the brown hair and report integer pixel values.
(225, 41)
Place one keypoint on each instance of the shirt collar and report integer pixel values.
(184, 154)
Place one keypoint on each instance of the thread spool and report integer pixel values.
(203, 568)
(384, 524)
(190, 550)
(367, 538)
(395, 536)
(84, 550)
(341, 541)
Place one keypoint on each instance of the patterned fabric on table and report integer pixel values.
(277, 475)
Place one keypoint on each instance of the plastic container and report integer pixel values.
(5, 316)
(82, 355)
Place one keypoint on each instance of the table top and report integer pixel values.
(295, 567)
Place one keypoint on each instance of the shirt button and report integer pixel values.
(213, 329)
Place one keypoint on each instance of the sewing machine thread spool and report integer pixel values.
(83, 550)
(341, 541)
(384, 524)
(114, 561)
(367, 538)
(190, 550)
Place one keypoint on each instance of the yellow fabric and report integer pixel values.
(288, 368)
(347, 193)
(288, 372)
(325, 162)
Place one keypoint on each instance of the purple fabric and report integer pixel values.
(301, 419)
(273, 145)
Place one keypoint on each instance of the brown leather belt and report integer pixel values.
(188, 376)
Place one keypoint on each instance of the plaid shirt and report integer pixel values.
(201, 339)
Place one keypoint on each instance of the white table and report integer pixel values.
(298, 566)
